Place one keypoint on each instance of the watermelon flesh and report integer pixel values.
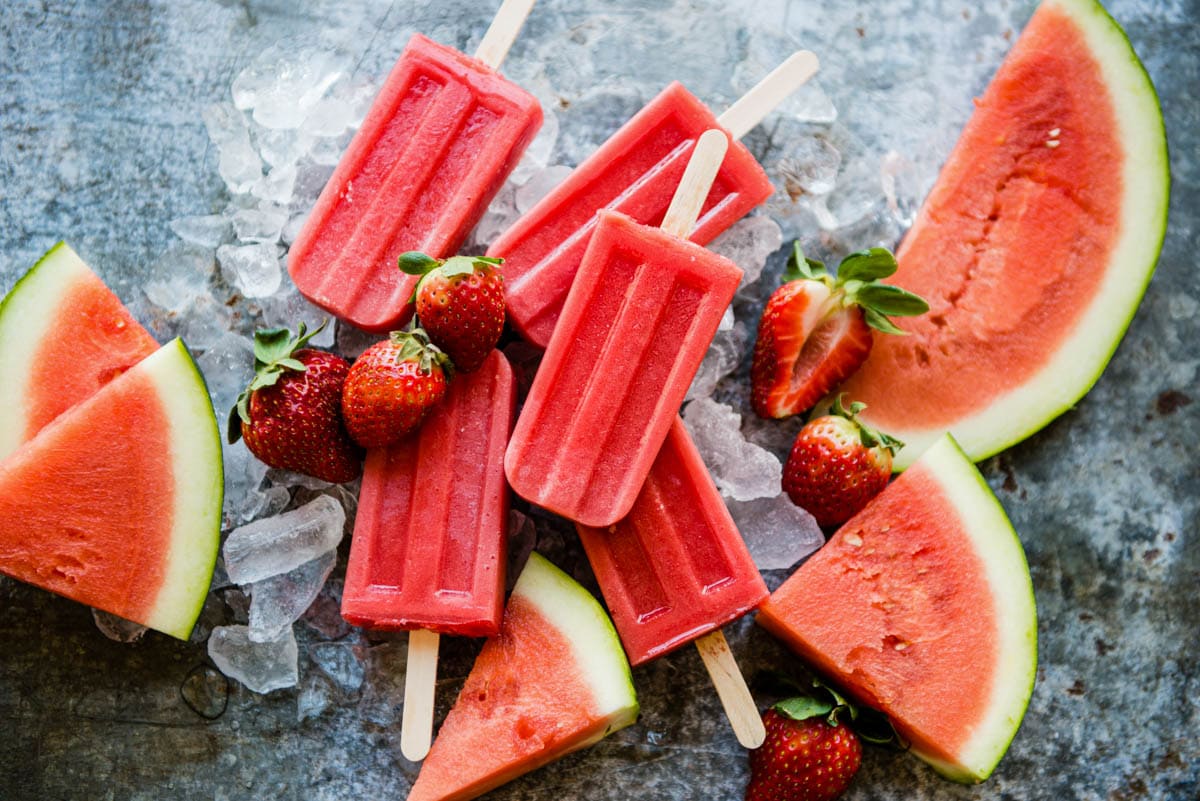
(1033, 248)
(553, 681)
(63, 335)
(921, 606)
(116, 503)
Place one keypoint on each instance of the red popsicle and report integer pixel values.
(636, 172)
(439, 141)
(429, 540)
(636, 325)
(675, 569)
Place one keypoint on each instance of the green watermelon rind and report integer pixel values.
(600, 659)
(999, 549)
(200, 485)
(26, 313)
(1082, 357)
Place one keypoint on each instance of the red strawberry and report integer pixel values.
(837, 464)
(809, 754)
(291, 414)
(460, 303)
(816, 330)
(392, 386)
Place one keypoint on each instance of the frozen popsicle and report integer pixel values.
(429, 541)
(636, 324)
(636, 172)
(675, 570)
(439, 141)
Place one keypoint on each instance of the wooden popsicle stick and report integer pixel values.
(750, 109)
(696, 181)
(731, 689)
(420, 685)
(503, 32)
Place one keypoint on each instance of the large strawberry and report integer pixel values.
(291, 414)
(837, 464)
(392, 386)
(816, 329)
(810, 753)
(460, 303)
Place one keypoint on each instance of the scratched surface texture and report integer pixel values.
(102, 143)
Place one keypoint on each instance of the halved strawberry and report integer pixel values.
(816, 329)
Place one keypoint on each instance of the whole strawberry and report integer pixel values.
(837, 464)
(809, 754)
(460, 303)
(392, 386)
(815, 330)
(291, 414)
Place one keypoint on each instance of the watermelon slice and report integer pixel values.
(921, 606)
(63, 335)
(117, 503)
(1034, 247)
(553, 681)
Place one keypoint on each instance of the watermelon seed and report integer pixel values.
(854, 539)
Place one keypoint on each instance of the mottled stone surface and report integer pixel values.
(102, 143)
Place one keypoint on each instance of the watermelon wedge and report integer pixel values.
(921, 606)
(553, 681)
(1033, 248)
(117, 502)
(63, 335)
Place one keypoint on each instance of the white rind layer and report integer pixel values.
(199, 488)
(994, 541)
(25, 317)
(1081, 358)
(599, 656)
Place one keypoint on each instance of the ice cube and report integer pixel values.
(383, 682)
(777, 532)
(810, 166)
(237, 160)
(206, 323)
(538, 186)
(228, 365)
(282, 543)
(285, 82)
(722, 358)
(261, 224)
(261, 666)
(117, 628)
(279, 601)
(340, 662)
(314, 698)
(749, 243)
(207, 230)
(742, 471)
(276, 187)
(288, 308)
(254, 269)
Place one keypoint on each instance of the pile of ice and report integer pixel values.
(281, 563)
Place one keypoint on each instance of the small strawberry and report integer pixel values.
(816, 329)
(809, 754)
(392, 386)
(291, 414)
(460, 303)
(837, 464)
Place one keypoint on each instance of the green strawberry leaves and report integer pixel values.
(415, 346)
(825, 702)
(274, 351)
(415, 262)
(858, 280)
(870, 437)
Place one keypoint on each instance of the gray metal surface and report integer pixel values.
(101, 143)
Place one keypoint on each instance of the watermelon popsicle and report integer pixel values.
(428, 551)
(639, 318)
(441, 138)
(636, 172)
(675, 569)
